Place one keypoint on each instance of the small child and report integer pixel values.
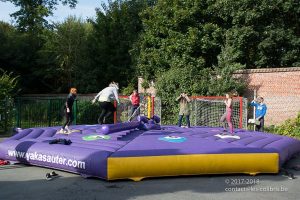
(135, 103)
(184, 102)
(68, 110)
(260, 112)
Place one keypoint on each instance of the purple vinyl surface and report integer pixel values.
(90, 147)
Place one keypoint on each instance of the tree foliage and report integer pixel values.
(64, 54)
(8, 84)
(32, 14)
(191, 45)
(290, 127)
(116, 28)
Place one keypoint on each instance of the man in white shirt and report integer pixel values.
(106, 97)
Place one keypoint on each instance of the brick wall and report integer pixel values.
(280, 88)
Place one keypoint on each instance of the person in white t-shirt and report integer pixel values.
(106, 97)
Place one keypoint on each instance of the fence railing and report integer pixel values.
(26, 112)
(49, 111)
(7, 114)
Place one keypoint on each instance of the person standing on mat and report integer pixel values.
(260, 112)
(106, 97)
(135, 104)
(184, 105)
(68, 110)
(228, 113)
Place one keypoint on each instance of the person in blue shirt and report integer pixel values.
(260, 112)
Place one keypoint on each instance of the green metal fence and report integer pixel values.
(49, 111)
(39, 111)
(7, 112)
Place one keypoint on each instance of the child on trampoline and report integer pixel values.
(135, 104)
(68, 111)
(106, 97)
(184, 104)
(228, 113)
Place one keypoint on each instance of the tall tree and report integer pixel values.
(116, 28)
(65, 54)
(32, 13)
(31, 24)
(262, 33)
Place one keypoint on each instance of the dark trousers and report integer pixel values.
(260, 127)
(107, 109)
(134, 109)
(187, 117)
(69, 118)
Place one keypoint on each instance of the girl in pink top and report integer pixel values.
(228, 114)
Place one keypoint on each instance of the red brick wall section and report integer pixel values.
(280, 88)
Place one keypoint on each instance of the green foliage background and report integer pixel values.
(290, 127)
(182, 45)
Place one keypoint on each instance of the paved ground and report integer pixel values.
(28, 182)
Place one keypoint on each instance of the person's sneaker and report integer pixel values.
(48, 177)
(61, 131)
(53, 173)
(67, 130)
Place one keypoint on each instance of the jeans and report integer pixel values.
(187, 117)
(260, 127)
(134, 109)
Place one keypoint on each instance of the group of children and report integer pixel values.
(106, 98)
(258, 103)
(108, 95)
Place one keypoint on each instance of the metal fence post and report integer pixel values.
(49, 112)
(5, 115)
(18, 115)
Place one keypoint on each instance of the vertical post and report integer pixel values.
(245, 110)
(5, 114)
(18, 115)
(241, 112)
(115, 113)
(254, 97)
(153, 105)
(195, 111)
(49, 112)
(149, 107)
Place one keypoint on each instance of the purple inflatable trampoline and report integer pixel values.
(128, 151)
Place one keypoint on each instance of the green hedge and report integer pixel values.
(290, 127)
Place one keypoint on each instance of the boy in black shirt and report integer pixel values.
(68, 110)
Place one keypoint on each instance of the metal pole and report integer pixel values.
(49, 112)
(149, 107)
(255, 93)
